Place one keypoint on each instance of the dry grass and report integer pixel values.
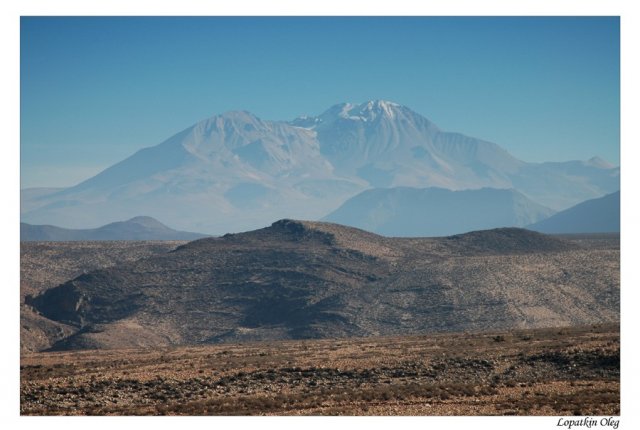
(527, 372)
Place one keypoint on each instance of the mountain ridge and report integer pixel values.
(601, 215)
(406, 211)
(235, 171)
(137, 228)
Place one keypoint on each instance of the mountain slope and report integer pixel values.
(229, 172)
(389, 145)
(298, 279)
(593, 216)
(235, 171)
(45, 265)
(406, 211)
(138, 228)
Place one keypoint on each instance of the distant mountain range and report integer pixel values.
(298, 279)
(600, 215)
(404, 211)
(235, 171)
(138, 228)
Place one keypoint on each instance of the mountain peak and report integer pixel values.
(234, 171)
(599, 162)
(239, 116)
(137, 228)
(375, 108)
(147, 221)
(364, 113)
(381, 104)
(369, 110)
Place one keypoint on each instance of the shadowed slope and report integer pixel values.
(593, 216)
(404, 211)
(299, 279)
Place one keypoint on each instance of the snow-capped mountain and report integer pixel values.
(235, 171)
(390, 145)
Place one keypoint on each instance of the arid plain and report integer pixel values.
(525, 372)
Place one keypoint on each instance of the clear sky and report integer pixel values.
(94, 90)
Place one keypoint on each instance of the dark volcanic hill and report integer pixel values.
(600, 215)
(44, 265)
(298, 279)
(138, 228)
(410, 212)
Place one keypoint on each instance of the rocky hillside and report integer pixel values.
(44, 265)
(298, 279)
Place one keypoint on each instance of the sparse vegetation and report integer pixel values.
(306, 280)
(461, 374)
(44, 265)
(314, 285)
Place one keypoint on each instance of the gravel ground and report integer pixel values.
(567, 371)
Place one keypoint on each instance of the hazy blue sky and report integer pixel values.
(95, 90)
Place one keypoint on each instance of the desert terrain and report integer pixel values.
(44, 265)
(314, 280)
(306, 318)
(555, 371)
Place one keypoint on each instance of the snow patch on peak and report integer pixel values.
(599, 163)
(361, 112)
(387, 108)
(369, 111)
(308, 122)
(381, 105)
